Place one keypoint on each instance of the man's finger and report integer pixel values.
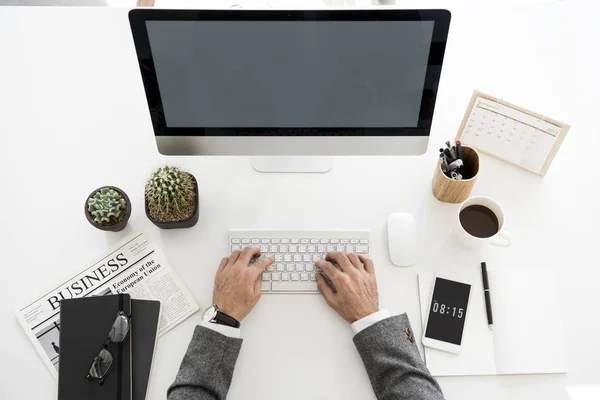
(355, 261)
(247, 254)
(331, 271)
(261, 265)
(324, 288)
(369, 267)
(223, 264)
(342, 260)
(234, 257)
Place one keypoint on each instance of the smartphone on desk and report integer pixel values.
(448, 311)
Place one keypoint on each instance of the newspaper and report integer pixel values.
(134, 266)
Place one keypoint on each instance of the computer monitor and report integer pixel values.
(290, 83)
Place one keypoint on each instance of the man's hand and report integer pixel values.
(355, 294)
(237, 285)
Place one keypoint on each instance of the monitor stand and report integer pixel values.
(285, 164)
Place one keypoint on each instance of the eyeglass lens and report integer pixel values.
(101, 364)
(119, 330)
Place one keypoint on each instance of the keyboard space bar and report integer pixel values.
(294, 287)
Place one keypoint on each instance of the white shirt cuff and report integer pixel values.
(369, 320)
(228, 331)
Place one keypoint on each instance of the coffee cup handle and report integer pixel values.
(502, 239)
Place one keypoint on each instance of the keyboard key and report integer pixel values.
(299, 267)
(349, 249)
(297, 257)
(295, 276)
(275, 241)
(287, 257)
(285, 241)
(330, 248)
(311, 249)
(322, 249)
(273, 248)
(307, 258)
(303, 276)
(364, 241)
(293, 248)
(235, 241)
(275, 276)
(344, 241)
(304, 241)
(265, 241)
(312, 276)
(235, 247)
(353, 241)
(280, 267)
(283, 248)
(266, 276)
(271, 268)
(324, 241)
(289, 267)
(265, 286)
(302, 249)
(334, 241)
(285, 276)
(309, 267)
(314, 241)
(362, 249)
(278, 257)
(269, 256)
(316, 257)
(246, 241)
(264, 249)
(294, 241)
(339, 247)
(255, 241)
(294, 287)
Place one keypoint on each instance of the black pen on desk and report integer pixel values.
(486, 293)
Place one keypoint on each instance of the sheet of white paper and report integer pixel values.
(477, 354)
(528, 326)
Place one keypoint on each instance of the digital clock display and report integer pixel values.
(448, 311)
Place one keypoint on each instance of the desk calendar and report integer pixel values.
(511, 133)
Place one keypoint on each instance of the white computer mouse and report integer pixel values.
(402, 239)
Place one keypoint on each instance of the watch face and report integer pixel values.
(209, 314)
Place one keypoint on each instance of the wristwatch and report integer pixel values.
(216, 316)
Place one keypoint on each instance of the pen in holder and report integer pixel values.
(451, 190)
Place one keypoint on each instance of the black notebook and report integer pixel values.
(84, 326)
(144, 321)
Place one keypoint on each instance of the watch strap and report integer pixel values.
(223, 319)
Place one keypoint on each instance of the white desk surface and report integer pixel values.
(73, 117)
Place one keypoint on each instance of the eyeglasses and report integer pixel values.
(103, 361)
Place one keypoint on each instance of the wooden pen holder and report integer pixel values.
(450, 190)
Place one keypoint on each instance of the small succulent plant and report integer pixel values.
(171, 196)
(107, 206)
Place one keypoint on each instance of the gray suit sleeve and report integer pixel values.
(207, 367)
(393, 362)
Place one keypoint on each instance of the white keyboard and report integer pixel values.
(294, 254)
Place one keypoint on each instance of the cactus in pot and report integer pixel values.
(108, 208)
(171, 197)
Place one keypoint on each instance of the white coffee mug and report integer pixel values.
(501, 238)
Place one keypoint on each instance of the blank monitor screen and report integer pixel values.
(290, 73)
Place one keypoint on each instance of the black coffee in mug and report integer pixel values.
(479, 221)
